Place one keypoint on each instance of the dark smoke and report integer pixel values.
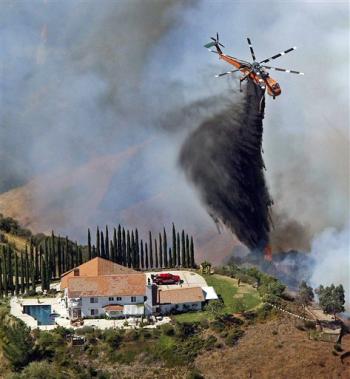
(223, 158)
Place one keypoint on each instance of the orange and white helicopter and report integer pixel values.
(255, 71)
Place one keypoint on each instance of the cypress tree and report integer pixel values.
(32, 272)
(183, 249)
(16, 276)
(59, 257)
(133, 250)
(115, 246)
(160, 251)
(22, 274)
(4, 273)
(43, 274)
(107, 244)
(146, 254)
(47, 269)
(36, 263)
(128, 249)
(174, 260)
(178, 248)
(64, 259)
(66, 255)
(150, 251)
(53, 255)
(119, 245)
(165, 249)
(111, 249)
(170, 258)
(188, 263)
(94, 251)
(193, 263)
(89, 245)
(103, 252)
(137, 248)
(1, 285)
(10, 270)
(156, 253)
(124, 248)
(27, 270)
(98, 242)
(142, 256)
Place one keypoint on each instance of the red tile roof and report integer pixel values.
(180, 295)
(108, 285)
(95, 267)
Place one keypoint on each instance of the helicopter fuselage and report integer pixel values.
(273, 88)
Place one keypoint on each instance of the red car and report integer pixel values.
(166, 279)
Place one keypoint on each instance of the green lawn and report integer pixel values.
(233, 298)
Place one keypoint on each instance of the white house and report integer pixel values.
(113, 295)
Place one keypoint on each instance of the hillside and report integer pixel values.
(69, 202)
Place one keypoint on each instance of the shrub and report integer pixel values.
(210, 342)
(337, 347)
(41, 370)
(204, 324)
(16, 343)
(168, 330)
(186, 329)
(233, 336)
(275, 332)
(217, 326)
(112, 338)
(194, 374)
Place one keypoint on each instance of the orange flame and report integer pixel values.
(268, 253)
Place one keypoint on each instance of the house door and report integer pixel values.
(77, 313)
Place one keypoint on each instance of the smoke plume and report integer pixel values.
(223, 159)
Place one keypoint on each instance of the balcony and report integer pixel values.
(73, 303)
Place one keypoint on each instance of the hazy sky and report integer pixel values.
(79, 79)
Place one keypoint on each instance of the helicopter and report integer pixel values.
(256, 71)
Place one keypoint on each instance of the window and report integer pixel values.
(111, 299)
(133, 299)
(93, 300)
(119, 298)
(94, 312)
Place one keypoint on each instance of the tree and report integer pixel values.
(137, 249)
(187, 251)
(119, 245)
(215, 307)
(115, 246)
(128, 249)
(150, 251)
(193, 263)
(89, 245)
(165, 248)
(142, 256)
(160, 251)
(305, 294)
(16, 276)
(174, 260)
(98, 251)
(183, 249)
(16, 343)
(178, 248)
(107, 244)
(156, 253)
(59, 256)
(103, 251)
(332, 299)
(146, 255)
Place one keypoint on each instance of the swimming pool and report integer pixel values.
(41, 313)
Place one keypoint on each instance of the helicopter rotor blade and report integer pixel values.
(278, 55)
(251, 49)
(226, 73)
(284, 70)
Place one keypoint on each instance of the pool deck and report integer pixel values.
(57, 306)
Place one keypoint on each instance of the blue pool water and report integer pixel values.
(40, 312)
